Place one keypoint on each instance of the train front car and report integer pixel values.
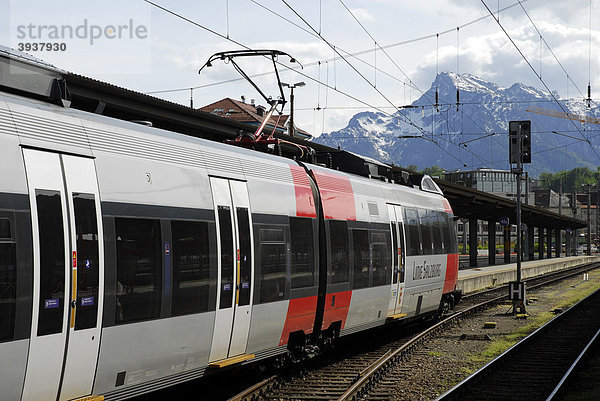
(387, 252)
(426, 261)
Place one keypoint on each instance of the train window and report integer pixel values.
(245, 256)
(227, 257)
(425, 231)
(272, 234)
(302, 246)
(382, 260)
(413, 232)
(191, 267)
(52, 262)
(88, 262)
(338, 232)
(5, 232)
(395, 253)
(273, 264)
(361, 258)
(401, 251)
(450, 236)
(139, 269)
(8, 282)
(436, 228)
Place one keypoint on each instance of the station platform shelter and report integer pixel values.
(542, 229)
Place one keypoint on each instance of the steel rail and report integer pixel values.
(482, 377)
(560, 384)
(254, 390)
(365, 381)
(365, 377)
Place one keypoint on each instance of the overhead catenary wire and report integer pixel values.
(550, 49)
(407, 119)
(355, 54)
(343, 93)
(408, 78)
(378, 108)
(299, 72)
(411, 84)
(540, 78)
(350, 65)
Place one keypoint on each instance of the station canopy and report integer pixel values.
(473, 204)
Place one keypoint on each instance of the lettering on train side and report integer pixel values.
(424, 271)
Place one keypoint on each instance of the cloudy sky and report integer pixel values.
(392, 49)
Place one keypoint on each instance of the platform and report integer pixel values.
(480, 278)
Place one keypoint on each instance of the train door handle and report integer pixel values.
(73, 304)
(333, 300)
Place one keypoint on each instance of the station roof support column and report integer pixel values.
(549, 243)
(530, 242)
(473, 242)
(491, 234)
(506, 244)
(541, 242)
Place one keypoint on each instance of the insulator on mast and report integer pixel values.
(436, 101)
(589, 98)
(457, 99)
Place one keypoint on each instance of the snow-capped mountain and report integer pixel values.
(463, 139)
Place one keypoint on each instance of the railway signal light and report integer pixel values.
(519, 141)
(526, 141)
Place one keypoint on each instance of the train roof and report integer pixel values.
(91, 99)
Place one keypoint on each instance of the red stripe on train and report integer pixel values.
(305, 204)
(336, 308)
(447, 207)
(300, 316)
(451, 273)
(337, 196)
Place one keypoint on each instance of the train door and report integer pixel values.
(397, 232)
(68, 276)
(235, 287)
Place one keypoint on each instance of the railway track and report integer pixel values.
(371, 373)
(475, 298)
(534, 368)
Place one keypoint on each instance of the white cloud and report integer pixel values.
(363, 15)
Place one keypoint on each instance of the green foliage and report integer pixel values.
(436, 171)
(572, 180)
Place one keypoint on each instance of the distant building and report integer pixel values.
(252, 114)
(503, 183)
(498, 182)
(549, 199)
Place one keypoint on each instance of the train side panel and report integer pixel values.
(15, 266)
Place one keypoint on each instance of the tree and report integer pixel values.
(435, 171)
(572, 180)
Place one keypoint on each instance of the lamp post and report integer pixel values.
(292, 86)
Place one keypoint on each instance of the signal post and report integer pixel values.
(519, 139)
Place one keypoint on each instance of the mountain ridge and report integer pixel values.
(463, 139)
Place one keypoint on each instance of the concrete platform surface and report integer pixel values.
(480, 278)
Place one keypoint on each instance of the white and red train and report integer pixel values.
(132, 258)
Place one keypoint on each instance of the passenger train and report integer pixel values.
(133, 258)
